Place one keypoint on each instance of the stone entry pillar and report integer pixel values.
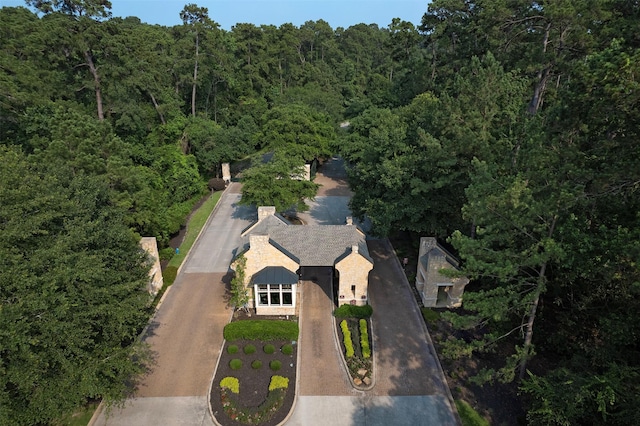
(226, 172)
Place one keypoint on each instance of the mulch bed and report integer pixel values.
(254, 383)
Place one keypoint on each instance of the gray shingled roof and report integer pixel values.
(310, 245)
(319, 245)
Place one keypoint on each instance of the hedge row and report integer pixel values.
(346, 335)
(353, 311)
(364, 339)
(261, 330)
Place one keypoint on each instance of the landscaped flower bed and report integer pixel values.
(354, 329)
(255, 381)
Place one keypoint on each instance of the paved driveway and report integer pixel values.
(185, 334)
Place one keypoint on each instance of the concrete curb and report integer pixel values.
(432, 349)
(213, 377)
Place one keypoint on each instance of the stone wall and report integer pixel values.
(354, 274)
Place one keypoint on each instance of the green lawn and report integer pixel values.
(468, 415)
(195, 225)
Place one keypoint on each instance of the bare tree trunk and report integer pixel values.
(195, 78)
(96, 82)
(528, 338)
(157, 107)
(543, 75)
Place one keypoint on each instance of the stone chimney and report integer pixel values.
(349, 220)
(354, 248)
(265, 211)
(258, 241)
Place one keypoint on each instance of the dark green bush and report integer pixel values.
(275, 365)
(249, 349)
(235, 364)
(169, 275)
(430, 316)
(232, 349)
(256, 364)
(352, 311)
(261, 330)
(287, 349)
(269, 349)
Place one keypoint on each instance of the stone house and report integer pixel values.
(436, 289)
(278, 252)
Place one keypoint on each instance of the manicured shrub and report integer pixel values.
(230, 383)
(269, 349)
(256, 365)
(275, 365)
(249, 349)
(278, 382)
(352, 311)
(232, 349)
(235, 364)
(346, 336)
(287, 349)
(217, 184)
(261, 330)
(364, 339)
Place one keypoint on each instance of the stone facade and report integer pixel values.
(353, 273)
(436, 289)
(274, 243)
(226, 172)
(150, 245)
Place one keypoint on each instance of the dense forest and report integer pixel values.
(507, 128)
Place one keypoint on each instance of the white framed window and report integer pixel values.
(274, 294)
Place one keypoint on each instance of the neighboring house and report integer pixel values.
(436, 289)
(150, 245)
(277, 253)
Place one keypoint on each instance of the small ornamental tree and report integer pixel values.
(239, 295)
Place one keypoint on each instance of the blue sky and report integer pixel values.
(338, 13)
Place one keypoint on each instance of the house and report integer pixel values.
(435, 288)
(278, 252)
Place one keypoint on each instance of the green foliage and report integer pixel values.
(269, 349)
(261, 330)
(232, 349)
(275, 365)
(468, 415)
(235, 364)
(346, 338)
(73, 289)
(353, 311)
(239, 292)
(249, 349)
(230, 383)
(278, 382)
(277, 183)
(169, 275)
(364, 339)
(430, 316)
(256, 365)
(287, 349)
